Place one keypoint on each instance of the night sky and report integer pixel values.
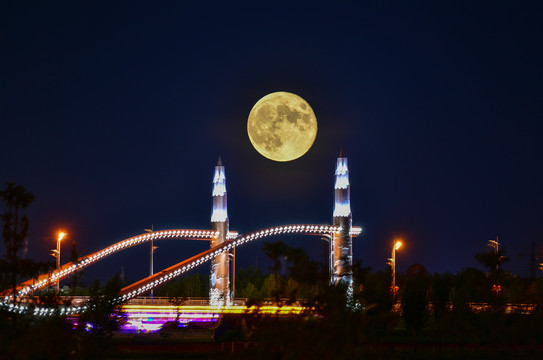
(114, 115)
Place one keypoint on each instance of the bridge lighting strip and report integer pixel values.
(150, 318)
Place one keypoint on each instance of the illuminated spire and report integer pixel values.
(220, 212)
(342, 206)
(342, 245)
(219, 292)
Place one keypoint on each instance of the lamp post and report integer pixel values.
(56, 253)
(233, 257)
(496, 288)
(152, 250)
(392, 262)
(496, 245)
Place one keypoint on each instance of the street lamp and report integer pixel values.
(152, 250)
(392, 263)
(496, 245)
(233, 257)
(56, 253)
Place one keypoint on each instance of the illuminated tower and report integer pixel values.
(219, 290)
(342, 249)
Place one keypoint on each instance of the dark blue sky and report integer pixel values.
(114, 114)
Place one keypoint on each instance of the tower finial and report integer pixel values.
(341, 153)
(219, 162)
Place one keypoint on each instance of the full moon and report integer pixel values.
(282, 126)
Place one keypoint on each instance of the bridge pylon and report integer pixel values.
(219, 289)
(342, 245)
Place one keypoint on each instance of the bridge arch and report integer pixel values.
(83, 262)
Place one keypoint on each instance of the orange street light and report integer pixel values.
(392, 261)
(496, 245)
(56, 253)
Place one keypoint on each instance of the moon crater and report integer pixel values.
(282, 126)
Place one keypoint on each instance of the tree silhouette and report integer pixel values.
(15, 233)
(15, 227)
(276, 252)
(415, 299)
(492, 261)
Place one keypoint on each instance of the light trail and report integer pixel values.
(150, 318)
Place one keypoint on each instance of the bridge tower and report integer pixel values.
(219, 289)
(341, 247)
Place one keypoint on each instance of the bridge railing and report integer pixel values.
(196, 301)
(161, 301)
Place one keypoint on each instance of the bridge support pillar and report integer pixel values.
(219, 289)
(341, 247)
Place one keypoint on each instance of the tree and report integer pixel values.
(414, 299)
(492, 261)
(15, 228)
(249, 282)
(276, 252)
(441, 286)
(251, 292)
(102, 318)
(304, 271)
(15, 234)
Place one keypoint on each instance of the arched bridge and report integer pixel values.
(151, 282)
(221, 240)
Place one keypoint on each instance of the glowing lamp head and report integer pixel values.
(61, 235)
(397, 245)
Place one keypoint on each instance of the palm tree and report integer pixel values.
(276, 252)
(492, 261)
